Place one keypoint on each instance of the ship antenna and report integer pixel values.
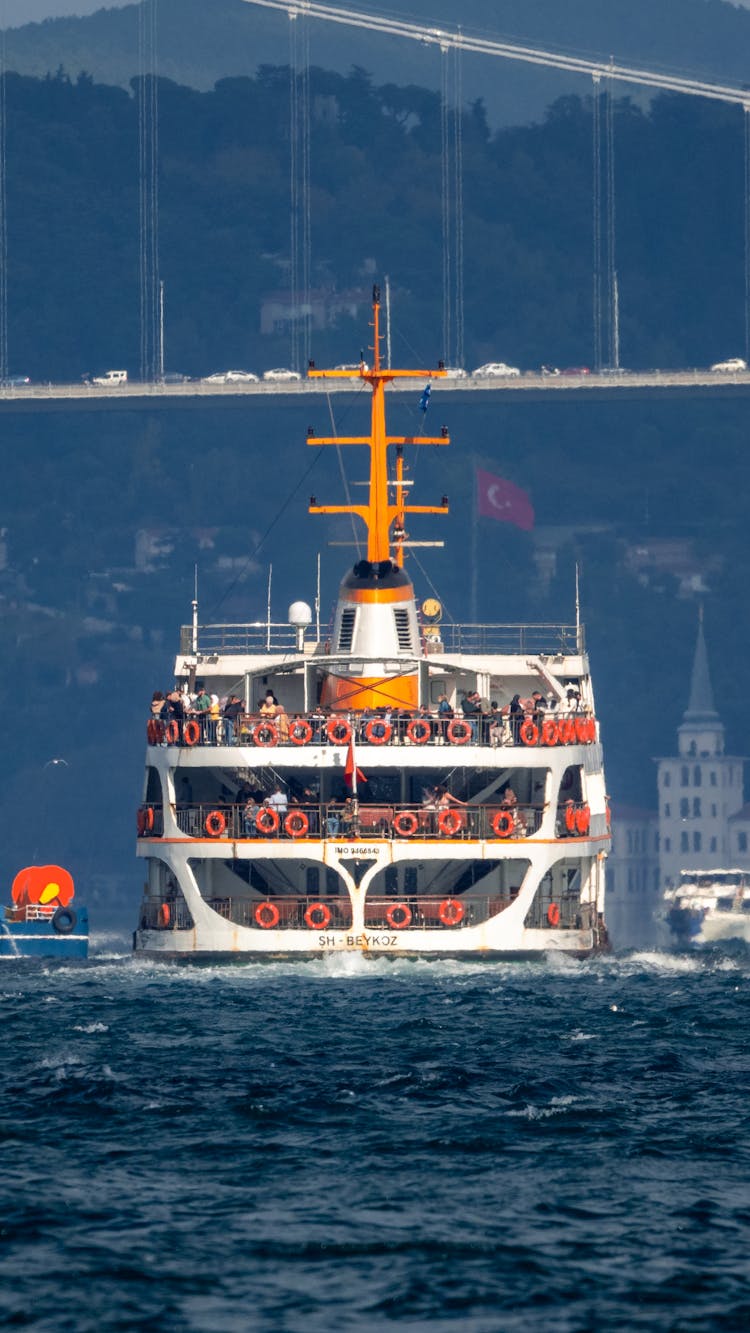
(578, 613)
(195, 611)
(268, 608)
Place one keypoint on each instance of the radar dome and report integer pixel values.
(300, 614)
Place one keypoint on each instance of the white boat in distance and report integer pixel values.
(374, 803)
(708, 906)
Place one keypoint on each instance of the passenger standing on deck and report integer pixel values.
(516, 717)
(445, 714)
(232, 710)
(201, 708)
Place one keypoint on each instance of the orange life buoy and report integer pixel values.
(581, 725)
(419, 731)
(458, 731)
(296, 824)
(449, 822)
(267, 820)
(140, 822)
(321, 910)
(149, 813)
(583, 820)
(553, 914)
(550, 731)
(173, 732)
(266, 916)
(590, 730)
(401, 911)
(151, 731)
(192, 733)
(384, 728)
(503, 824)
(405, 823)
(265, 734)
(570, 818)
(451, 912)
(567, 731)
(529, 732)
(165, 916)
(300, 733)
(338, 731)
(216, 824)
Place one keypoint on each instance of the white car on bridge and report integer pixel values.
(733, 364)
(281, 374)
(495, 370)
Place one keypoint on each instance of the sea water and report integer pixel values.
(358, 1144)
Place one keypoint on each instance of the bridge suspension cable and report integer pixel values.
(531, 55)
(148, 179)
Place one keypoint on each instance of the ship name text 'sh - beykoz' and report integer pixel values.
(359, 792)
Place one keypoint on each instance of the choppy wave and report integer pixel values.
(350, 1144)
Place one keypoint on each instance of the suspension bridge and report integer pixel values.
(453, 44)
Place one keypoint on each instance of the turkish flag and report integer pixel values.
(501, 499)
(352, 774)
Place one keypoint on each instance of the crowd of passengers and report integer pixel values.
(341, 817)
(225, 721)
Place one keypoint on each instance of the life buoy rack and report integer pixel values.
(378, 731)
(267, 820)
(458, 731)
(318, 916)
(192, 732)
(265, 734)
(583, 820)
(419, 731)
(165, 915)
(553, 914)
(266, 916)
(449, 822)
(154, 731)
(145, 820)
(338, 731)
(405, 823)
(451, 912)
(300, 733)
(399, 916)
(216, 824)
(567, 730)
(550, 732)
(296, 824)
(173, 732)
(570, 818)
(529, 732)
(503, 824)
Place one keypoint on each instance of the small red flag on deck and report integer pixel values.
(503, 500)
(352, 774)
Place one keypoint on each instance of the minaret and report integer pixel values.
(701, 788)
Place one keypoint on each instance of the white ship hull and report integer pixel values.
(709, 907)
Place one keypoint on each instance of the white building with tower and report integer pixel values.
(701, 790)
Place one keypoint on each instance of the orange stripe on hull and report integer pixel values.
(369, 692)
(381, 595)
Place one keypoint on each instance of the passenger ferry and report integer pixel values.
(708, 906)
(40, 921)
(360, 793)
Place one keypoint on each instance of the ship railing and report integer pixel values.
(261, 636)
(527, 730)
(383, 912)
(361, 820)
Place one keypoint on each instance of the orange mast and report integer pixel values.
(379, 514)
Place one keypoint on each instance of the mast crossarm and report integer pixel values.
(418, 439)
(365, 439)
(361, 510)
(338, 439)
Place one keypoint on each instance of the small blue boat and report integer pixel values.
(41, 921)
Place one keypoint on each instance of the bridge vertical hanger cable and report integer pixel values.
(612, 296)
(148, 183)
(458, 195)
(445, 196)
(306, 232)
(596, 221)
(294, 193)
(4, 368)
(746, 205)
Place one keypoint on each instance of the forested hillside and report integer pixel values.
(376, 173)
